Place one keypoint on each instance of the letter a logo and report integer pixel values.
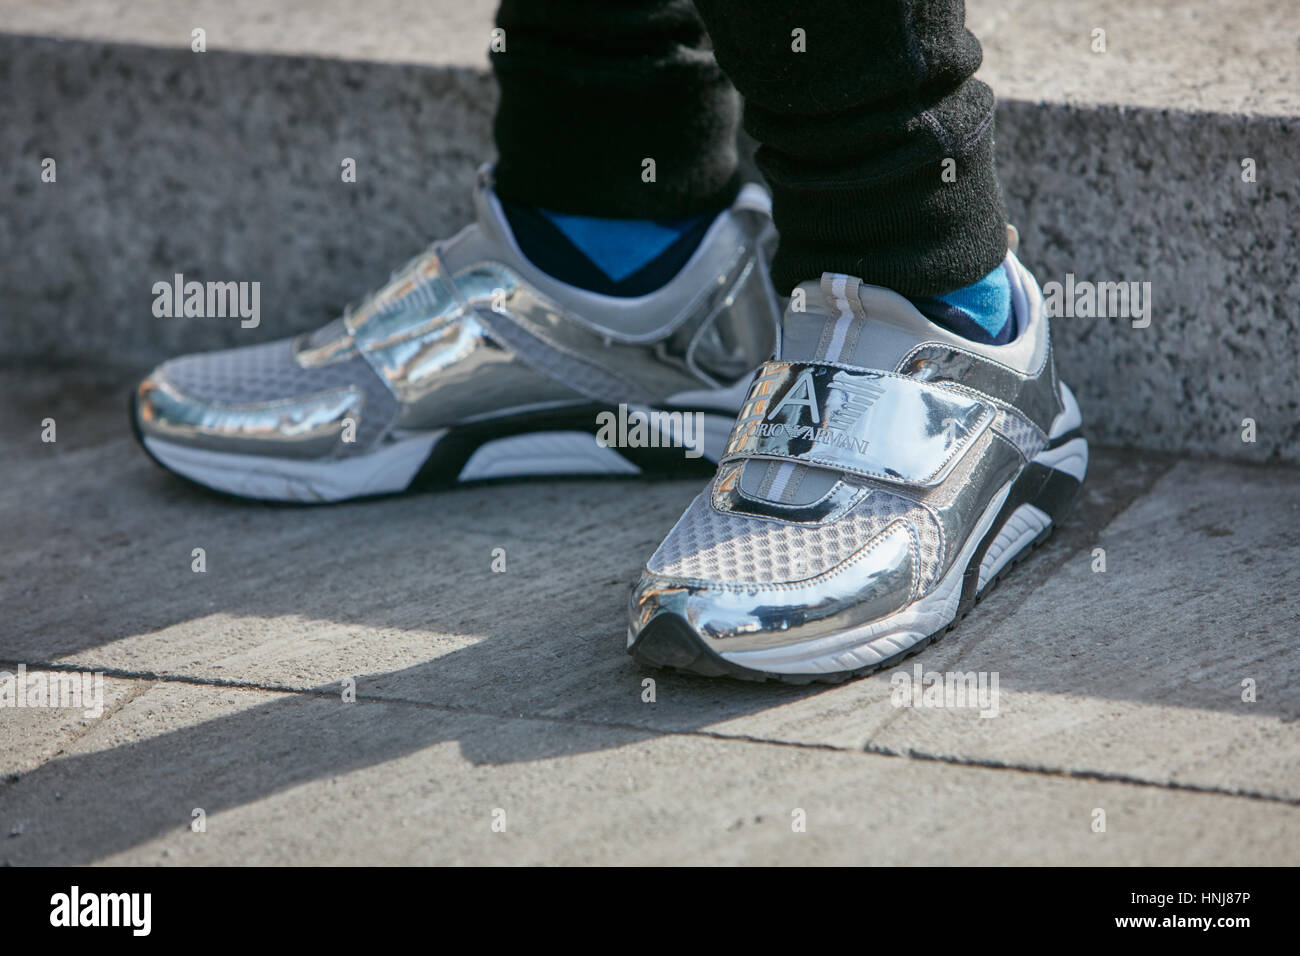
(801, 393)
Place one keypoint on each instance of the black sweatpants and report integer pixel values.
(859, 108)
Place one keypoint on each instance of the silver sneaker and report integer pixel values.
(472, 364)
(882, 474)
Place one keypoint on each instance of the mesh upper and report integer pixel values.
(714, 546)
(1020, 432)
(269, 373)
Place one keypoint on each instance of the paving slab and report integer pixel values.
(1132, 673)
(34, 730)
(287, 778)
(1177, 662)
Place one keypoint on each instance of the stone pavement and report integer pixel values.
(485, 696)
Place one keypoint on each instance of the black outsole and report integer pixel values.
(441, 470)
(669, 643)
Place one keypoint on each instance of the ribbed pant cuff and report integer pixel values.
(580, 146)
(912, 233)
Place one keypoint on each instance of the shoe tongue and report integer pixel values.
(838, 319)
(845, 321)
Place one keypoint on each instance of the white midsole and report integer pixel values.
(394, 464)
(1071, 458)
(545, 453)
(387, 470)
(1017, 532)
(1070, 416)
(576, 452)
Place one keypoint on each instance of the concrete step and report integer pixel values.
(1119, 166)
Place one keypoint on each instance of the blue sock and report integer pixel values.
(623, 257)
(979, 312)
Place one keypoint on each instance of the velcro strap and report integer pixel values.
(864, 422)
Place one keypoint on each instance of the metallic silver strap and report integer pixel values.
(864, 422)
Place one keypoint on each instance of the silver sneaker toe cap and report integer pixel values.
(873, 582)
